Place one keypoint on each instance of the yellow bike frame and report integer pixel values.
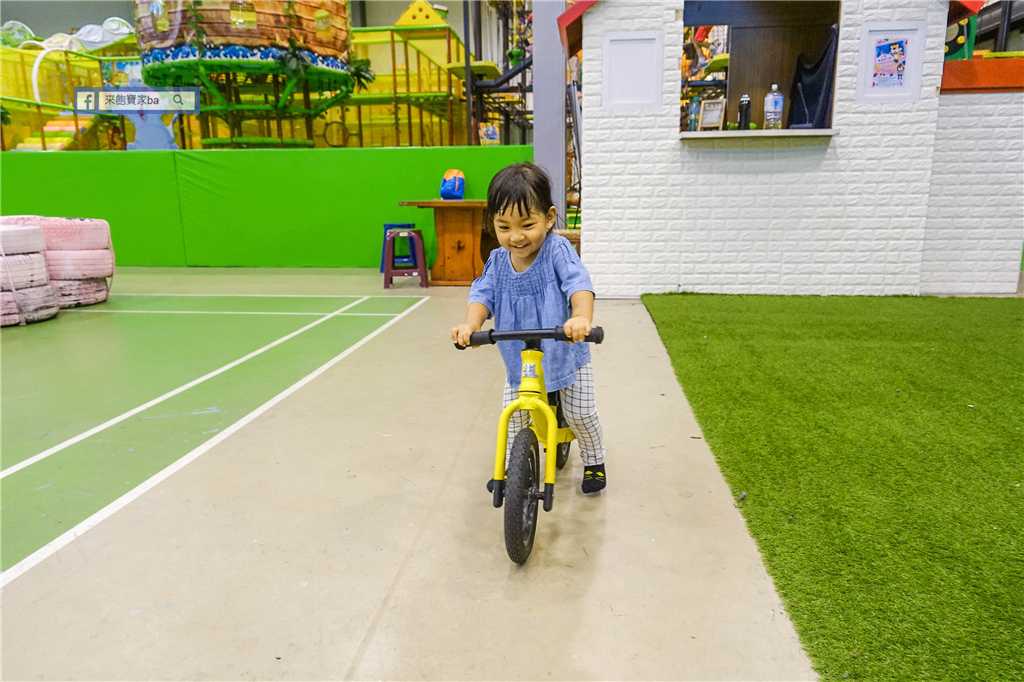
(533, 397)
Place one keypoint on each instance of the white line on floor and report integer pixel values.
(107, 424)
(222, 312)
(120, 503)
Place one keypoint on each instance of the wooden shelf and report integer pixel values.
(785, 132)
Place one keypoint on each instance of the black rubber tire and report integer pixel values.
(522, 482)
(563, 448)
(563, 455)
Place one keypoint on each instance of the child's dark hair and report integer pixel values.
(522, 185)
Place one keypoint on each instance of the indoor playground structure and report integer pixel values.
(414, 99)
(264, 69)
(39, 77)
(289, 74)
(419, 95)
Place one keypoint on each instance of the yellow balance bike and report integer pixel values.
(519, 487)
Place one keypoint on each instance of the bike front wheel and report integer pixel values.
(522, 490)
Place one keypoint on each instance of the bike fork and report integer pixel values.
(548, 435)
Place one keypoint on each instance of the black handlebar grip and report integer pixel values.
(477, 339)
(481, 338)
(596, 335)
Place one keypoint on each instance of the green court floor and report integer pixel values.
(101, 399)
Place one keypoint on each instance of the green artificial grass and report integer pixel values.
(880, 444)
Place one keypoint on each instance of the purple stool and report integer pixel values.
(408, 260)
(418, 270)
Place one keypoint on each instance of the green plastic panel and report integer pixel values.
(249, 207)
(136, 192)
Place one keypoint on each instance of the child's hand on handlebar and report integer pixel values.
(460, 334)
(577, 328)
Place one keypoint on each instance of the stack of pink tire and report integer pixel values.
(79, 257)
(25, 291)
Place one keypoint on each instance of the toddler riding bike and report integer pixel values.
(535, 282)
(516, 484)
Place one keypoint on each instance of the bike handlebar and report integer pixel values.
(491, 336)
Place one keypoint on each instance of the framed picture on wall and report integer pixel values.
(891, 61)
(632, 69)
(712, 114)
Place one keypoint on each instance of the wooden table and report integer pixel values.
(462, 248)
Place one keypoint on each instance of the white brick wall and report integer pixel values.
(975, 224)
(771, 215)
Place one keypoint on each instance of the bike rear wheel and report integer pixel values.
(562, 454)
(522, 488)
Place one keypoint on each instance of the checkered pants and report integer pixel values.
(579, 410)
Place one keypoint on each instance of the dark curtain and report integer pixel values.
(810, 99)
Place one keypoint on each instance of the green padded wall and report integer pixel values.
(136, 192)
(320, 207)
(251, 208)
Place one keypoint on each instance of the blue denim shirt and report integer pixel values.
(536, 299)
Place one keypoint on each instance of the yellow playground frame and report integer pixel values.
(414, 100)
(38, 87)
(412, 103)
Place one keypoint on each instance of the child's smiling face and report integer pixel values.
(523, 235)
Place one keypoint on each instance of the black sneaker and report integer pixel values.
(594, 478)
(490, 486)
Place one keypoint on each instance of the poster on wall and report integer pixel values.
(891, 61)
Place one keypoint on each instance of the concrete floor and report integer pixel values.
(346, 534)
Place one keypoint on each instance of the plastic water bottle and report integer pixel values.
(694, 113)
(773, 108)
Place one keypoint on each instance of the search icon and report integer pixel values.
(177, 100)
